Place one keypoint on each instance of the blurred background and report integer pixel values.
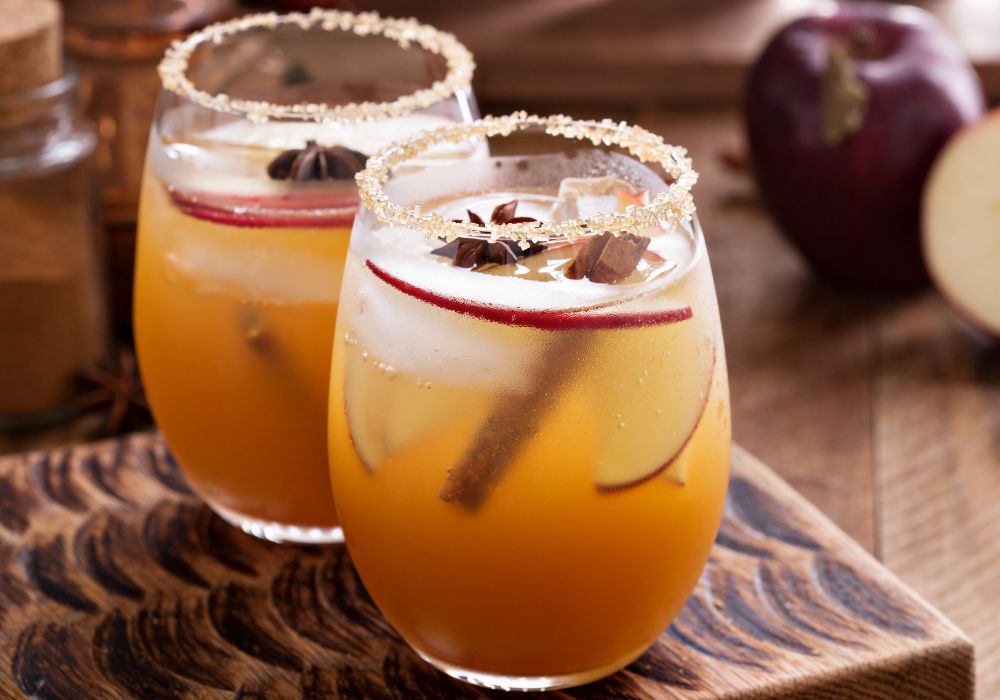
(627, 59)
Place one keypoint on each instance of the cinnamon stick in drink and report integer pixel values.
(514, 421)
(604, 259)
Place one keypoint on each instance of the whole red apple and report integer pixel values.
(845, 113)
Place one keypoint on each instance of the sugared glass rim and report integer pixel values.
(173, 68)
(670, 207)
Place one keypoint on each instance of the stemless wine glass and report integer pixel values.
(529, 408)
(247, 203)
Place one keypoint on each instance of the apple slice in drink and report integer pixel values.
(504, 431)
(332, 207)
(389, 413)
(587, 318)
(366, 393)
(417, 412)
(650, 435)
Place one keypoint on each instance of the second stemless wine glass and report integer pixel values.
(247, 203)
(529, 409)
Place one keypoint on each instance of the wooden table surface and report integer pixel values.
(883, 413)
(106, 559)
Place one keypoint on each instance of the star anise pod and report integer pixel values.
(475, 252)
(114, 387)
(315, 162)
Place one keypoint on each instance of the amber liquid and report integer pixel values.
(234, 325)
(550, 576)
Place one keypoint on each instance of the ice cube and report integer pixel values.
(421, 340)
(582, 197)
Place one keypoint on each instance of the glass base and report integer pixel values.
(280, 532)
(530, 683)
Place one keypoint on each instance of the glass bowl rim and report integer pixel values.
(674, 206)
(173, 68)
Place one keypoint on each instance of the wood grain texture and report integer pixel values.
(116, 582)
(937, 399)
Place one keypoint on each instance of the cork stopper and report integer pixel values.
(30, 44)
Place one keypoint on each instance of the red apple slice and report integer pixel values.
(320, 209)
(961, 224)
(549, 319)
(652, 442)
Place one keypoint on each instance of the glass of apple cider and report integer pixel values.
(529, 408)
(247, 203)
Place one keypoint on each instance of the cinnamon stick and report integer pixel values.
(509, 427)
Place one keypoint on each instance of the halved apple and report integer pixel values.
(961, 224)
(650, 441)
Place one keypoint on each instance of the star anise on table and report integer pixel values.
(477, 253)
(316, 162)
(114, 387)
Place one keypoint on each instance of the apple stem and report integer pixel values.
(845, 98)
(514, 421)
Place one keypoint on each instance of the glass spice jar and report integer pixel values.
(53, 322)
(116, 44)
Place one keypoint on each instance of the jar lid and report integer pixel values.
(30, 44)
(407, 33)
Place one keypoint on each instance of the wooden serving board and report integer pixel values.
(116, 582)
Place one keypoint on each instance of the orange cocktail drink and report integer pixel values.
(235, 319)
(245, 218)
(530, 436)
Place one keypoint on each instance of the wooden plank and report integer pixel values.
(937, 442)
(115, 581)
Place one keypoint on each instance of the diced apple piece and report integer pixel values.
(961, 224)
(651, 441)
